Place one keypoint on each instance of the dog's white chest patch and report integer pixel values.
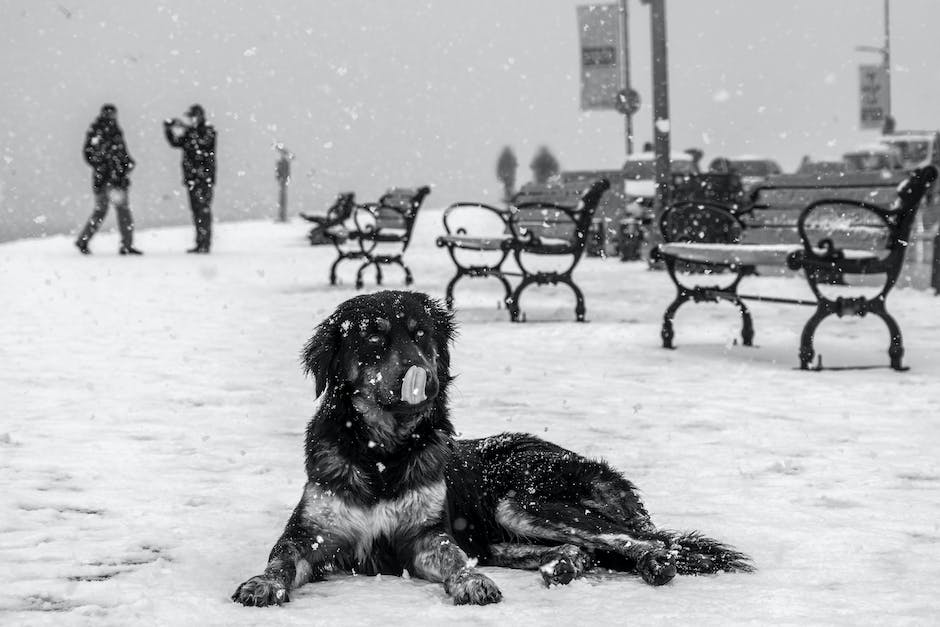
(359, 527)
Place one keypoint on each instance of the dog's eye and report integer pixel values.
(419, 333)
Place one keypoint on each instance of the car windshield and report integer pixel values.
(646, 169)
(751, 168)
(913, 151)
(868, 162)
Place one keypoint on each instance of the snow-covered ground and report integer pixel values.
(153, 410)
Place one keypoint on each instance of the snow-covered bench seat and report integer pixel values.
(545, 227)
(840, 232)
(378, 233)
(745, 254)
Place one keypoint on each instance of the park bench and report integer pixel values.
(379, 233)
(326, 228)
(552, 223)
(844, 226)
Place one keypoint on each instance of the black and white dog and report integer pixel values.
(389, 489)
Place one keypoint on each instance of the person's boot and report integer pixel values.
(129, 250)
(82, 247)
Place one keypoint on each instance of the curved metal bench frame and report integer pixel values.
(453, 244)
(522, 242)
(820, 261)
(368, 233)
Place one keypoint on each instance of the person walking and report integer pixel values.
(197, 141)
(106, 153)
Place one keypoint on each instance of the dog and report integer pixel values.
(389, 488)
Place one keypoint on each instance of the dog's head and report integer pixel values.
(388, 355)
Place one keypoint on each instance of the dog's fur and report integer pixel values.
(389, 489)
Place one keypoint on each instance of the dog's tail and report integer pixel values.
(699, 555)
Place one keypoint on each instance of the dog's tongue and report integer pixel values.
(412, 386)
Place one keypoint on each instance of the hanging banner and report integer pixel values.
(873, 95)
(599, 28)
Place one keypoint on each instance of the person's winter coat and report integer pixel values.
(106, 152)
(198, 145)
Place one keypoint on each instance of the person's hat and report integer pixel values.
(196, 110)
(107, 109)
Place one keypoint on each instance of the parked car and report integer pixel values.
(916, 148)
(752, 169)
(875, 157)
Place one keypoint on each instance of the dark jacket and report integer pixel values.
(106, 152)
(198, 145)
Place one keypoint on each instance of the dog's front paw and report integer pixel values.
(261, 591)
(657, 567)
(563, 564)
(469, 587)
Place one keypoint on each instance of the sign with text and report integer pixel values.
(873, 95)
(599, 28)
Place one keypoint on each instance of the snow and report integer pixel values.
(154, 410)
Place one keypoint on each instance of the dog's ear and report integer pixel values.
(445, 330)
(319, 355)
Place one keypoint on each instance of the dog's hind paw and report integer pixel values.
(657, 567)
(563, 564)
(261, 591)
(468, 587)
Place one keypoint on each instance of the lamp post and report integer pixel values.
(661, 123)
(625, 73)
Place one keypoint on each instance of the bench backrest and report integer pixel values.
(775, 208)
(866, 225)
(341, 208)
(721, 187)
(537, 209)
(398, 207)
(563, 216)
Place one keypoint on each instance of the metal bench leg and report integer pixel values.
(378, 273)
(579, 308)
(512, 303)
(333, 268)
(747, 324)
(449, 291)
(508, 288)
(806, 340)
(896, 349)
(359, 281)
(667, 332)
(409, 279)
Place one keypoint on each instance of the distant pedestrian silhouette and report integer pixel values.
(106, 152)
(197, 140)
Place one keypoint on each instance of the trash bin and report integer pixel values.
(597, 238)
(630, 239)
(935, 274)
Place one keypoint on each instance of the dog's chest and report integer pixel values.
(358, 527)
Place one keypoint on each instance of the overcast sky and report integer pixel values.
(370, 94)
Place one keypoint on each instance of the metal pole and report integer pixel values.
(625, 75)
(887, 56)
(661, 123)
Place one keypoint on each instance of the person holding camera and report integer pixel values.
(106, 152)
(197, 141)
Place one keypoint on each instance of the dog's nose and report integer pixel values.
(413, 385)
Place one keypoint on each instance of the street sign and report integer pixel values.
(599, 27)
(628, 101)
(873, 96)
